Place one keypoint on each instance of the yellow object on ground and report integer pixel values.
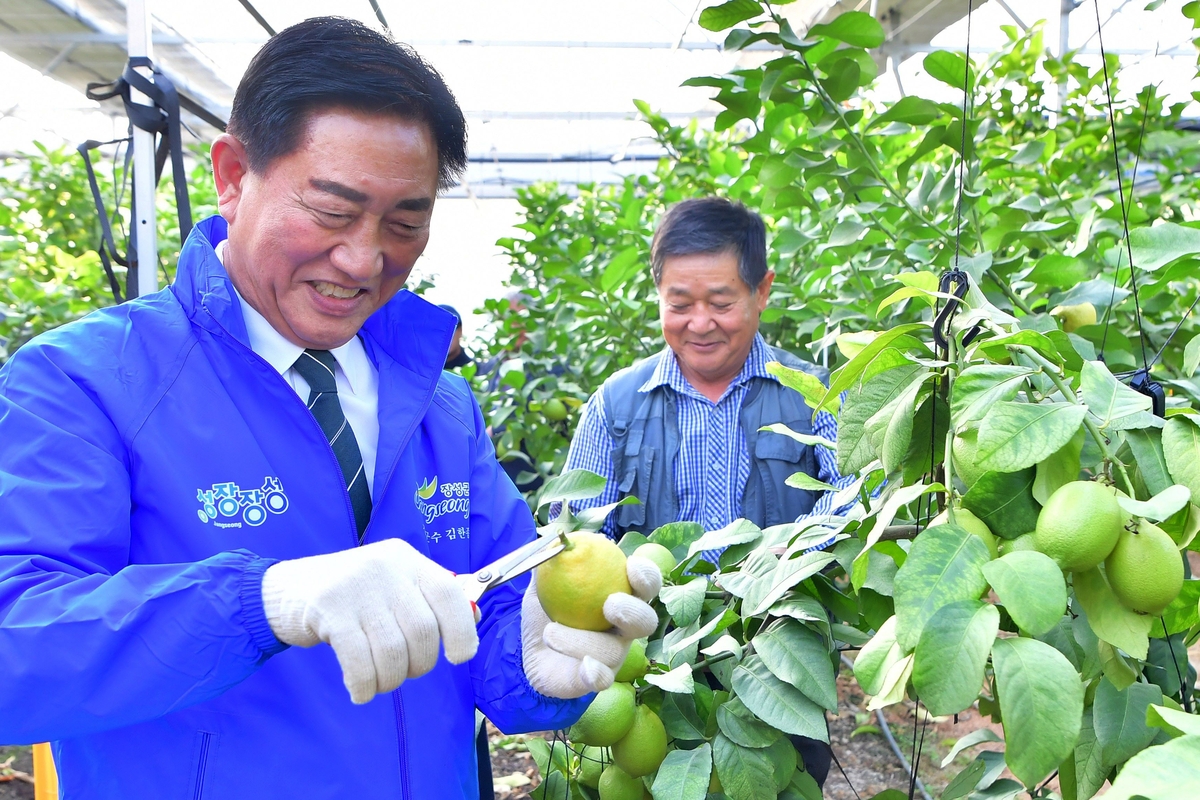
(45, 777)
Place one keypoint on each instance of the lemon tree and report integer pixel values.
(1072, 633)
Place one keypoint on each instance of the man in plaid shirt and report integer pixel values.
(679, 430)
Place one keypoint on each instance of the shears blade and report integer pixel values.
(518, 562)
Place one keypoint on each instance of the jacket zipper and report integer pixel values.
(205, 741)
(398, 704)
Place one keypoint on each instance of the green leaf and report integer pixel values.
(1119, 716)
(1041, 700)
(783, 762)
(1112, 404)
(949, 662)
(975, 737)
(1191, 357)
(681, 718)
(944, 565)
(1161, 244)
(677, 537)
(848, 373)
(1031, 587)
(848, 231)
(624, 266)
(1112, 622)
(803, 438)
(1014, 436)
(877, 657)
(630, 542)
(1005, 502)
(1146, 444)
(788, 573)
(808, 385)
(726, 15)
(1059, 271)
(552, 786)
(894, 685)
(980, 387)
(777, 703)
(949, 68)
(1091, 770)
(574, 484)
(1174, 722)
(1059, 469)
(746, 773)
(798, 655)
(964, 782)
(854, 449)
(855, 28)
(741, 726)
(891, 427)
(1181, 449)
(913, 110)
(802, 480)
(1160, 507)
(684, 774)
(678, 680)
(684, 603)
(740, 531)
(1168, 772)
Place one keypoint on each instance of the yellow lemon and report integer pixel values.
(966, 457)
(659, 555)
(1074, 317)
(635, 664)
(1023, 542)
(592, 761)
(573, 586)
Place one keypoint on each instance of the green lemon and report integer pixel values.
(1023, 542)
(965, 450)
(573, 586)
(1145, 569)
(635, 664)
(659, 555)
(1079, 525)
(971, 524)
(607, 719)
(554, 410)
(616, 784)
(643, 748)
(592, 761)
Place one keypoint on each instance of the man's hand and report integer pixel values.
(382, 607)
(566, 662)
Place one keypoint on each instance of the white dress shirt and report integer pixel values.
(357, 379)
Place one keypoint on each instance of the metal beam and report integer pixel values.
(57, 61)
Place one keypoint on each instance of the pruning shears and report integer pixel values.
(504, 569)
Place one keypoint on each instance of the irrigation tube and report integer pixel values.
(891, 740)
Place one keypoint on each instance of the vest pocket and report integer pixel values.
(635, 482)
(778, 446)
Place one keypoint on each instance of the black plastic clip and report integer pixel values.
(961, 283)
(1142, 384)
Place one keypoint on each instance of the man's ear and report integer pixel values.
(230, 168)
(763, 293)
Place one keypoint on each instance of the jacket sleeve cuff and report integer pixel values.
(253, 615)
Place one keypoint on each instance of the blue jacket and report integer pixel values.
(151, 468)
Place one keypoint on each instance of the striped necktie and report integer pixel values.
(316, 367)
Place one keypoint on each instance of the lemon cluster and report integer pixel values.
(622, 740)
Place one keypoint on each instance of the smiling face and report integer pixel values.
(328, 233)
(709, 317)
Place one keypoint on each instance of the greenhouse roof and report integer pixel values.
(547, 86)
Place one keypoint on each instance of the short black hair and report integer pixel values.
(331, 62)
(454, 311)
(712, 225)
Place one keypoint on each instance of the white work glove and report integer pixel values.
(382, 607)
(567, 662)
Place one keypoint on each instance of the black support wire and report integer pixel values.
(266, 26)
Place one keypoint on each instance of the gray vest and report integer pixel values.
(645, 432)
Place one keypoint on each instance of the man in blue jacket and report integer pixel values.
(269, 454)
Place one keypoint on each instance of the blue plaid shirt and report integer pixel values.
(713, 464)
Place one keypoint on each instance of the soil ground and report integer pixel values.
(12, 787)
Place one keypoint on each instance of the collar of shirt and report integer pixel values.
(668, 373)
(282, 354)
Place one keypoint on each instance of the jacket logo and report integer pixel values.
(435, 500)
(229, 500)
